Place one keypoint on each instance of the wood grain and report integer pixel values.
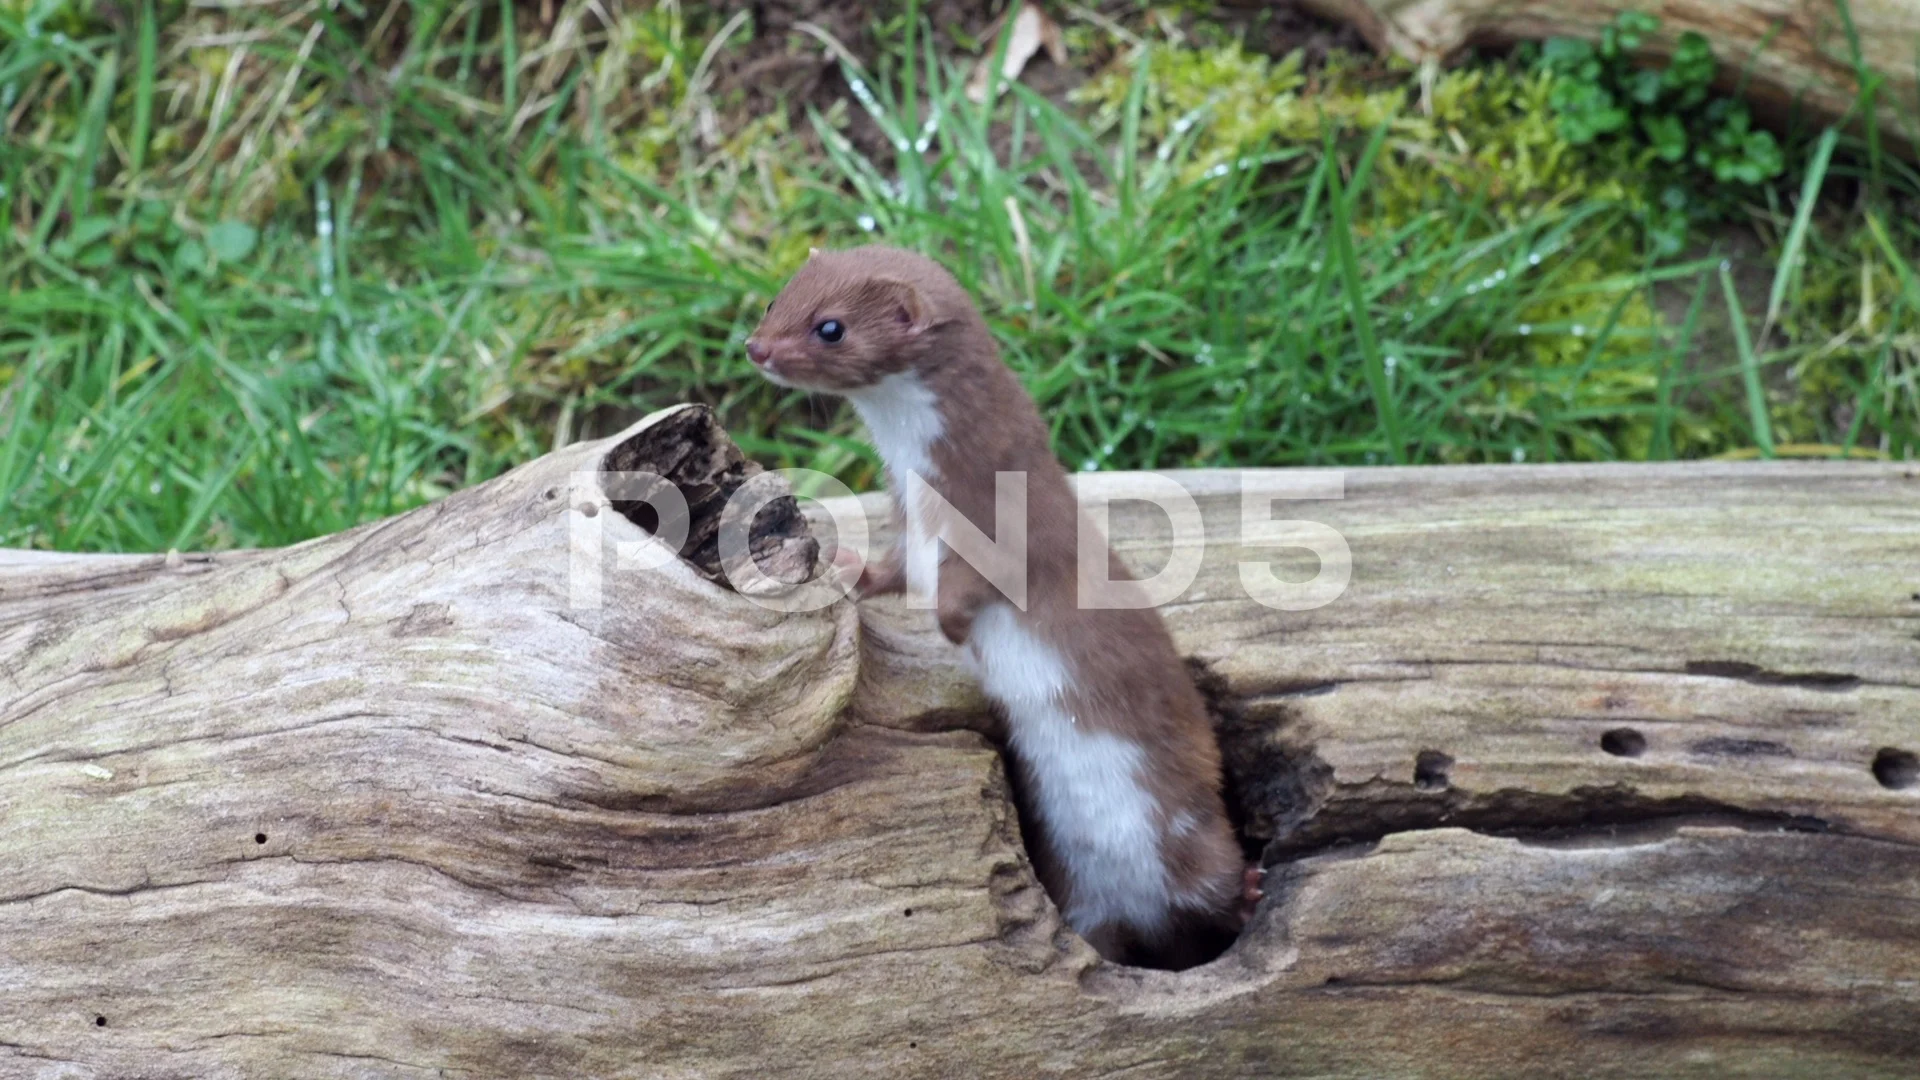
(392, 803)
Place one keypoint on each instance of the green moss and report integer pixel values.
(1485, 135)
(1854, 335)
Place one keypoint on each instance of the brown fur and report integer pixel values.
(903, 312)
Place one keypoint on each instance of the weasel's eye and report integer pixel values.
(830, 331)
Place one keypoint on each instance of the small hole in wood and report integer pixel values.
(1624, 742)
(259, 838)
(908, 913)
(1896, 769)
(644, 515)
(589, 509)
(913, 1046)
(1430, 768)
(99, 1021)
(550, 494)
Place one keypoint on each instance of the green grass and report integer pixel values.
(252, 297)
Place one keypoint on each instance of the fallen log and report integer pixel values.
(1591, 770)
(1783, 55)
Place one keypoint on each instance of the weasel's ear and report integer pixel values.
(812, 251)
(901, 301)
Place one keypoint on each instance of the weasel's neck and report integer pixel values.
(957, 424)
(903, 414)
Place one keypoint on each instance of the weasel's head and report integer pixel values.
(849, 319)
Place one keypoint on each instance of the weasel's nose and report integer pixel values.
(757, 353)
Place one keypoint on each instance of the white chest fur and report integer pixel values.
(1088, 790)
(902, 415)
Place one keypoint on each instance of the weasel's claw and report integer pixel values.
(1250, 891)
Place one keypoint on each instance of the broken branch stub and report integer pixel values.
(1598, 771)
(687, 450)
(1788, 58)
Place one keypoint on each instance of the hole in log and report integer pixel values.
(645, 516)
(1624, 742)
(259, 838)
(1896, 769)
(1263, 783)
(1430, 769)
(1274, 783)
(690, 451)
(99, 1021)
(908, 913)
(1270, 787)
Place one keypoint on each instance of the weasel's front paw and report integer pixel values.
(869, 579)
(956, 625)
(848, 565)
(884, 581)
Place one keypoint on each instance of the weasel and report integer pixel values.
(1115, 761)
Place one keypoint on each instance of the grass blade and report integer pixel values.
(1749, 367)
(1375, 365)
(143, 89)
(1787, 274)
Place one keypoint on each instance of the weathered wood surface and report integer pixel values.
(1784, 53)
(389, 803)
